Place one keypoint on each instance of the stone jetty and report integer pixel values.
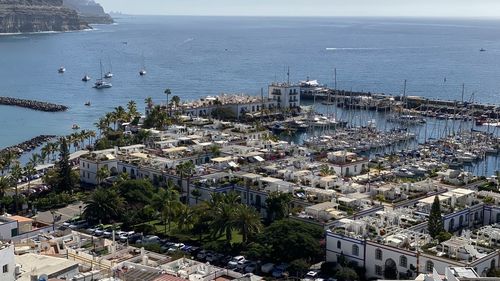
(32, 104)
(28, 145)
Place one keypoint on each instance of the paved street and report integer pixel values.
(66, 213)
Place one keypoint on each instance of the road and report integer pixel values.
(66, 213)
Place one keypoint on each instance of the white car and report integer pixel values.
(234, 262)
(175, 247)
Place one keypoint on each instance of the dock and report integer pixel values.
(33, 104)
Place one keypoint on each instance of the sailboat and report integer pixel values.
(143, 72)
(100, 83)
(109, 74)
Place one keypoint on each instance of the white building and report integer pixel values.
(347, 163)
(286, 95)
(7, 262)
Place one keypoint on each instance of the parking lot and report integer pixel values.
(65, 214)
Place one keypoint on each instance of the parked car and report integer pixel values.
(251, 267)
(267, 268)
(279, 270)
(78, 224)
(133, 238)
(214, 257)
(202, 255)
(233, 263)
(176, 247)
(71, 221)
(124, 236)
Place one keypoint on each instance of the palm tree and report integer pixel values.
(186, 218)
(103, 205)
(149, 102)
(196, 194)
(223, 221)
(186, 170)
(167, 92)
(132, 110)
(102, 174)
(167, 201)
(5, 184)
(278, 205)
(247, 221)
(176, 101)
(16, 174)
(325, 170)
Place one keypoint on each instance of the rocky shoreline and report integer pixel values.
(28, 145)
(32, 104)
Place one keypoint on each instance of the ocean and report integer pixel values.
(200, 56)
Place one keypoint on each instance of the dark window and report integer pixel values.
(5, 268)
(429, 266)
(355, 250)
(378, 254)
(403, 261)
(378, 270)
(339, 245)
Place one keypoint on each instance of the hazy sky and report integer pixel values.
(431, 8)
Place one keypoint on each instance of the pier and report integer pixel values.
(32, 104)
(385, 102)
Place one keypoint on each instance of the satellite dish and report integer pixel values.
(43, 277)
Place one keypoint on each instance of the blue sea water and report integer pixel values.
(199, 56)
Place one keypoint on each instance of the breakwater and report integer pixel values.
(32, 104)
(28, 145)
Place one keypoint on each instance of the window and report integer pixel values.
(355, 250)
(378, 254)
(5, 268)
(124, 170)
(429, 266)
(403, 261)
(339, 245)
(378, 270)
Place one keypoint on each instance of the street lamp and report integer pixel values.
(80, 207)
(53, 213)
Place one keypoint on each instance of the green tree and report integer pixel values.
(103, 206)
(278, 205)
(186, 170)
(347, 274)
(66, 182)
(290, 240)
(168, 92)
(102, 174)
(196, 193)
(176, 100)
(16, 174)
(435, 223)
(247, 221)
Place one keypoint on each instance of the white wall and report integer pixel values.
(7, 258)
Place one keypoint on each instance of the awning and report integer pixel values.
(232, 164)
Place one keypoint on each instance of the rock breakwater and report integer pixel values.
(32, 104)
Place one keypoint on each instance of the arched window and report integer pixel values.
(339, 245)
(378, 254)
(403, 261)
(429, 266)
(355, 250)
(493, 264)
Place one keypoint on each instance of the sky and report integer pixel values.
(389, 8)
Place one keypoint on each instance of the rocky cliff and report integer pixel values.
(89, 11)
(38, 15)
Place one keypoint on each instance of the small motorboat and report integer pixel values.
(86, 78)
(75, 127)
(482, 50)
(142, 72)
(108, 75)
(61, 69)
(87, 103)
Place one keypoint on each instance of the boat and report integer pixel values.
(100, 83)
(87, 103)
(61, 69)
(75, 127)
(482, 50)
(143, 72)
(109, 74)
(86, 78)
